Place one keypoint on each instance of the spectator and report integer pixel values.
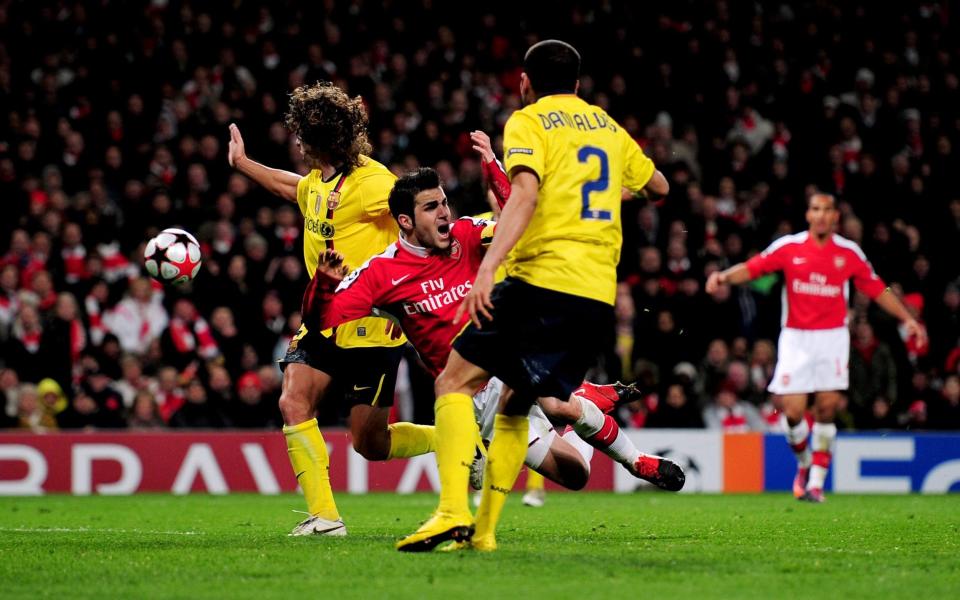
(110, 409)
(22, 348)
(249, 410)
(132, 382)
(873, 372)
(713, 367)
(144, 413)
(138, 319)
(32, 414)
(729, 414)
(169, 396)
(197, 412)
(676, 410)
(945, 411)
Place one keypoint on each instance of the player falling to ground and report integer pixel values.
(420, 280)
(541, 328)
(813, 353)
(344, 204)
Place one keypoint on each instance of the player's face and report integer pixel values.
(822, 215)
(432, 219)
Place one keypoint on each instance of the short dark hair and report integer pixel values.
(833, 199)
(406, 188)
(553, 67)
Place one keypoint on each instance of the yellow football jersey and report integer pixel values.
(350, 214)
(583, 158)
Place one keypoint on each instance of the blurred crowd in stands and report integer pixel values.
(113, 125)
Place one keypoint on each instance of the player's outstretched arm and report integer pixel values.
(889, 302)
(735, 275)
(277, 181)
(497, 180)
(513, 222)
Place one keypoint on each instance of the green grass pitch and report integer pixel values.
(587, 545)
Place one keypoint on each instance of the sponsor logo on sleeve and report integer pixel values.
(527, 151)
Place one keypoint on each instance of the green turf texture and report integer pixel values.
(587, 545)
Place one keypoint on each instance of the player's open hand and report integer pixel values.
(916, 331)
(331, 264)
(481, 143)
(235, 150)
(478, 300)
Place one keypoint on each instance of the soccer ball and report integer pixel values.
(173, 256)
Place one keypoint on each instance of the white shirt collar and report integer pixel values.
(415, 250)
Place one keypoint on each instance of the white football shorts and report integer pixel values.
(812, 360)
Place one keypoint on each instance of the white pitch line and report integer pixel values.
(93, 530)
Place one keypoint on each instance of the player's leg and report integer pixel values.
(456, 435)
(505, 458)
(603, 433)
(369, 378)
(609, 396)
(823, 434)
(796, 428)
(832, 347)
(793, 380)
(535, 494)
(303, 386)
(562, 464)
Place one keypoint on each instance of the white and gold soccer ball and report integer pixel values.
(173, 256)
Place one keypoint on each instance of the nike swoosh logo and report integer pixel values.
(299, 474)
(396, 281)
(323, 531)
(799, 261)
(360, 389)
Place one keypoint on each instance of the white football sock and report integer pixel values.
(797, 439)
(823, 436)
(603, 433)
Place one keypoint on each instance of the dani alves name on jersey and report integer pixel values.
(583, 121)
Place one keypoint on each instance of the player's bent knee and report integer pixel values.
(371, 449)
(574, 475)
(371, 436)
(295, 408)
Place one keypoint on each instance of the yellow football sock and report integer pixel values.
(504, 460)
(311, 464)
(407, 440)
(534, 480)
(456, 435)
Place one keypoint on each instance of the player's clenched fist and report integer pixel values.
(714, 282)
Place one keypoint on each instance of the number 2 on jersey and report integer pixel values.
(599, 184)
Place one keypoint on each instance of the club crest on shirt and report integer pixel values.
(333, 200)
(455, 249)
(839, 261)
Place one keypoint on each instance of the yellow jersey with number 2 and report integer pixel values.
(349, 214)
(583, 158)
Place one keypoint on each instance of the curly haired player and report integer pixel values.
(343, 200)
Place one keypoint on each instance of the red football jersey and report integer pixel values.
(816, 289)
(421, 288)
